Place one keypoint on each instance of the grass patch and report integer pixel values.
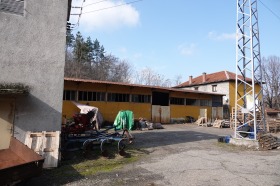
(80, 166)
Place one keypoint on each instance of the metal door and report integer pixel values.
(160, 114)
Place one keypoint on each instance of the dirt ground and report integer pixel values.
(185, 154)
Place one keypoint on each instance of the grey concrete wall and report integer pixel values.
(32, 52)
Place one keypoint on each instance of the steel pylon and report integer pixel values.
(249, 113)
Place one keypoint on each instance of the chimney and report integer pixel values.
(203, 77)
(190, 80)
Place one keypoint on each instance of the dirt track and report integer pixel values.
(186, 154)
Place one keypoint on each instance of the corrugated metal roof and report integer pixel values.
(137, 85)
(211, 78)
(12, 6)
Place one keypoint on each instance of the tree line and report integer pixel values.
(271, 78)
(87, 59)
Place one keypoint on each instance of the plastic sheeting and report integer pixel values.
(84, 109)
(124, 120)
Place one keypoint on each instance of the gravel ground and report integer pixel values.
(185, 154)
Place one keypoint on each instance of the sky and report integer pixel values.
(174, 37)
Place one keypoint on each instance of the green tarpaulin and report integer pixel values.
(124, 120)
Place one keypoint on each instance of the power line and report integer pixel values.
(113, 6)
(95, 3)
(270, 10)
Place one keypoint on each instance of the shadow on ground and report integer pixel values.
(153, 138)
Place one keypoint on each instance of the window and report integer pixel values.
(194, 102)
(177, 101)
(91, 96)
(137, 98)
(214, 88)
(116, 97)
(205, 102)
(69, 95)
(217, 101)
(195, 88)
(12, 6)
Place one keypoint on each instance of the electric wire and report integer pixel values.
(277, 16)
(95, 3)
(113, 6)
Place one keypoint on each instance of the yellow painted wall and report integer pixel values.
(240, 89)
(181, 111)
(109, 110)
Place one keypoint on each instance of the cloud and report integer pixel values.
(187, 50)
(220, 37)
(98, 15)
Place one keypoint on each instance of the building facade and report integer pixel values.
(222, 82)
(157, 104)
(32, 50)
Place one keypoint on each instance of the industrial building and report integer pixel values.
(157, 104)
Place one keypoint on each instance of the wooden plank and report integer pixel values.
(46, 144)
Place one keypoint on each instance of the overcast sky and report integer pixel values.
(174, 37)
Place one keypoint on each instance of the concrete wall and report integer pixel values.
(32, 50)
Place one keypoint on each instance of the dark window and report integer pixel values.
(69, 95)
(12, 6)
(100, 96)
(116, 97)
(177, 101)
(91, 96)
(194, 102)
(195, 88)
(214, 88)
(137, 98)
(160, 98)
(217, 101)
(205, 102)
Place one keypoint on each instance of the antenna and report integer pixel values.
(248, 81)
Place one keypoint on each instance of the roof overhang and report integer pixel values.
(153, 88)
(14, 89)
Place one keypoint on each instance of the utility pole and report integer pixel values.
(249, 111)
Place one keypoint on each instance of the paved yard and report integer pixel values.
(185, 154)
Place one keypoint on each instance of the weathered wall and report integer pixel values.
(222, 88)
(32, 52)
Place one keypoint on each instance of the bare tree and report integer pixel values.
(178, 79)
(148, 76)
(271, 76)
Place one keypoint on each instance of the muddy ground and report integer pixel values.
(182, 154)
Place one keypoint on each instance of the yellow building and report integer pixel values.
(222, 82)
(157, 104)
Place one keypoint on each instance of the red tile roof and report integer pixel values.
(137, 85)
(210, 78)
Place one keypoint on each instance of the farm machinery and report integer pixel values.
(84, 133)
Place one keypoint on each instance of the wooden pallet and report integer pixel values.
(218, 123)
(268, 142)
(201, 121)
(273, 126)
(46, 144)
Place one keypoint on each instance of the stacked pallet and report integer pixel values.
(218, 123)
(232, 117)
(273, 126)
(268, 142)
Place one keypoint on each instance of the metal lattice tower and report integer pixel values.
(249, 108)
